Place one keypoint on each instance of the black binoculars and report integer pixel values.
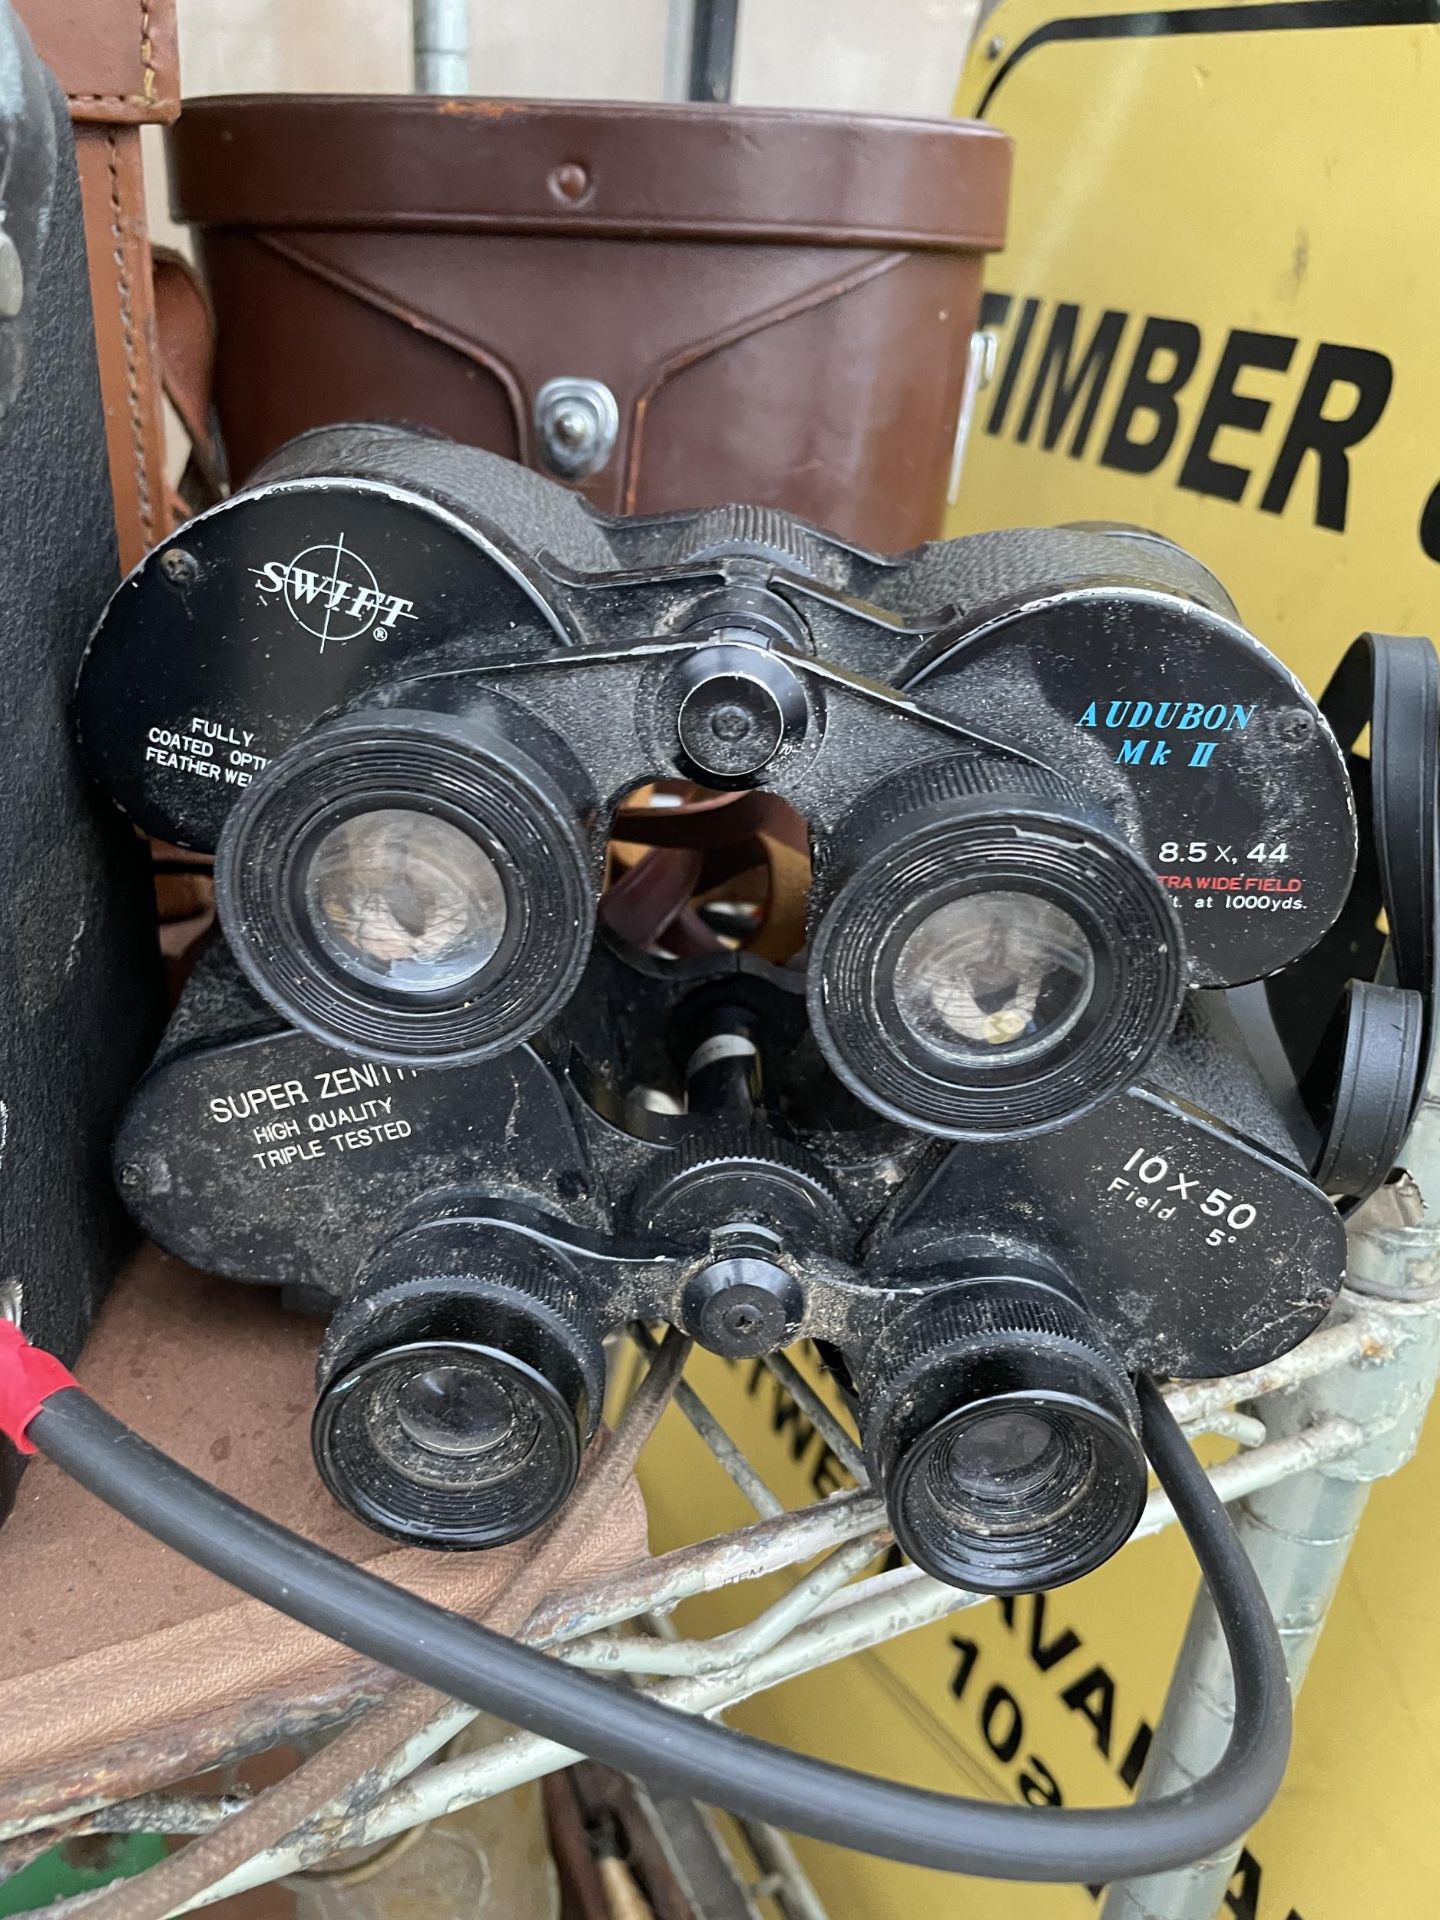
(481, 1085)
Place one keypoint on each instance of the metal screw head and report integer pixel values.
(573, 427)
(577, 422)
(732, 725)
(179, 566)
(740, 1305)
(12, 278)
(1293, 725)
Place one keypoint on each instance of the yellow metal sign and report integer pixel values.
(1216, 314)
(1216, 319)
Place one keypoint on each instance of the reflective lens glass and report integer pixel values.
(991, 973)
(454, 1410)
(403, 899)
(452, 1424)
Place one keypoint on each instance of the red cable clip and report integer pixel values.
(28, 1377)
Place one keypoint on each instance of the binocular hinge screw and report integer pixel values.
(743, 1303)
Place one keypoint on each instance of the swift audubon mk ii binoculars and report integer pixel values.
(504, 1046)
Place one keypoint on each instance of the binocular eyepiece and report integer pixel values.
(1004, 1435)
(989, 955)
(696, 920)
(456, 1393)
(413, 886)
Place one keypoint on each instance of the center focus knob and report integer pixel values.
(739, 704)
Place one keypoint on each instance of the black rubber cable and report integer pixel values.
(686, 1753)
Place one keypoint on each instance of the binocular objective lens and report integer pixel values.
(456, 1424)
(405, 899)
(992, 971)
(1005, 1473)
(454, 1410)
(997, 1455)
(411, 885)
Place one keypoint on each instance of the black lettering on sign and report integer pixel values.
(1002, 1723)
(1224, 407)
(1038, 1785)
(1133, 1765)
(1242, 1896)
(1151, 394)
(1430, 525)
(1070, 383)
(1045, 1653)
(1067, 383)
(1093, 1696)
(969, 1652)
(1330, 438)
(786, 1418)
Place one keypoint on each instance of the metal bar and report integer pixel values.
(628, 1654)
(786, 1881)
(1243, 1428)
(441, 33)
(844, 1445)
(767, 1546)
(1299, 1533)
(170, 1813)
(1336, 1344)
(731, 1458)
(712, 49)
(679, 32)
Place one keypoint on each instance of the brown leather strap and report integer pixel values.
(116, 60)
(708, 847)
(646, 898)
(185, 334)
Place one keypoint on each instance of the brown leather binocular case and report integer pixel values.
(668, 306)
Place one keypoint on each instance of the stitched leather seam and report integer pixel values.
(147, 51)
(146, 98)
(127, 334)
